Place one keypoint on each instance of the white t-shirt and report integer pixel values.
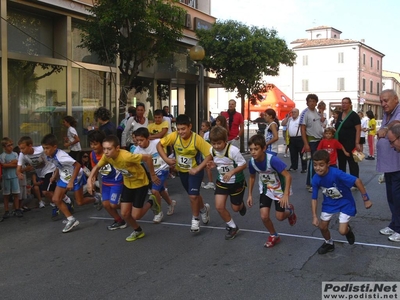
(158, 163)
(38, 161)
(65, 165)
(70, 135)
(364, 125)
(130, 127)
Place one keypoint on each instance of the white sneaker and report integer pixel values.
(203, 184)
(387, 231)
(42, 204)
(395, 237)
(205, 217)
(171, 208)
(195, 225)
(70, 224)
(209, 186)
(158, 218)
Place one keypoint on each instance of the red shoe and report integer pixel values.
(272, 240)
(292, 218)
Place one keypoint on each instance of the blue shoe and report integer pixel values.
(70, 207)
(55, 213)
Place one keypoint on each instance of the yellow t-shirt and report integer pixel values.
(372, 123)
(187, 152)
(129, 165)
(157, 128)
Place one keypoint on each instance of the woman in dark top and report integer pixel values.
(348, 130)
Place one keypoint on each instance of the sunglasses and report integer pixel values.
(85, 156)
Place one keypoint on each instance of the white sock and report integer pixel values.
(231, 224)
(66, 199)
(330, 241)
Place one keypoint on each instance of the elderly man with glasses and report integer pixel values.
(388, 161)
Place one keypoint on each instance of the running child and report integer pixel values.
(134, 192)
(69, 176)
(147, 146)
(189, 150)
(111, 180)
(205, 134)
(231, 181)
(331, 145)
(274, 183)
(338, 198)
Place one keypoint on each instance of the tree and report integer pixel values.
(140, 32)
(240, 56)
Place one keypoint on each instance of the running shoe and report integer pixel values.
(386, 231)
(231, 232)
(54, 213)
(158, 218)
(195, 225)
(350, 236)
(205, 216)
(42, 204)
(272, 241)
(99, 203)
(171, 208)
(243, 210)
(70, 224)
(292, 217)
(155, 207)
(117, 225)
(135, 235)
(325, 248)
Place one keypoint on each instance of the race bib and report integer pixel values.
(184, 162)
(223, 169)
(269, 180)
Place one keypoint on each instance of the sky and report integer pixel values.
(377, 22)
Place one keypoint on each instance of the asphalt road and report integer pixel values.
(38, 261)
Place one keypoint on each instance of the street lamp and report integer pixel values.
(197, 54)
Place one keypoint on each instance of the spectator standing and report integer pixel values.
(72, 140)
(364, 129)
(371, 135)
(10, 184)
(103, 116)
(133, 123)
(388, 161)
(311, 133)
(235, 123)
(296, 143)
(348, 130)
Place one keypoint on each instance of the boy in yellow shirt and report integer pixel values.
(135, 183)
(159, 128)
(189, 151)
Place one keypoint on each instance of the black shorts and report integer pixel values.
(234, 190)
(266, 201)
(46, 186)
(136, 196)
(362, 140)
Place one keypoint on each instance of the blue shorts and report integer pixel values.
(192, 183)
(163, 175)
(77, 184)
(11, 186)
(112, 193)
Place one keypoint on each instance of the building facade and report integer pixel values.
(45, 75)
(333, 68)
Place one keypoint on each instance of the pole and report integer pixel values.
(201, 95)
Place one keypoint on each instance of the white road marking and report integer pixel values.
(260, 231)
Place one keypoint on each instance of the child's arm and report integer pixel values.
(91, 179)
(251, 185)
(75, 141)
(194, 171)
(159, 135)
(77, 168)
(11, 164)
(164, 156)
(54, 176)
(314, 205)
(148, 159)
(236, 170)
(284, 201)
(361, 188)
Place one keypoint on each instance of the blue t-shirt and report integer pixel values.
(336, 190)
(9, 173)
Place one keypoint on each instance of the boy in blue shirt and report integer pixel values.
(336, 189)
(274, 183)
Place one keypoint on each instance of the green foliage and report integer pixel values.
(240, 55)
(139, 31)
